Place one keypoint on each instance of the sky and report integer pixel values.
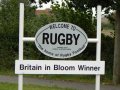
(48, 5)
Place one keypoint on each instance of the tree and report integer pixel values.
(9, 29)
(106, 4)
(8, 32)
(80, 18)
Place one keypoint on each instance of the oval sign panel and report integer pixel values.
(61, 40)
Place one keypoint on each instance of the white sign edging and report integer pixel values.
(59, 67)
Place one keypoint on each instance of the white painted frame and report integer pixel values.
(23, 39)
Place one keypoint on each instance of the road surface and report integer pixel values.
(58, 83)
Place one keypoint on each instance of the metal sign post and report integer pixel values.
(98, 50)
(23, 39)
(21, 31)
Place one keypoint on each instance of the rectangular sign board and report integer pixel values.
(59, 67)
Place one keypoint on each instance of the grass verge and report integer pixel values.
(73, 78)
(7, 86)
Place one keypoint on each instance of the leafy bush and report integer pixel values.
(108, 53)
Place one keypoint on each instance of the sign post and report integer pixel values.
(98, 50)
(71, 41)
(21, 31)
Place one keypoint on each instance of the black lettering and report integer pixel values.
(21, 67)
(61, 41)
(58, 25)
(62, 25)
(50, 26)
(45, 38)
(61, 38)
(76, 38)
(69, 39)
(55, 67)
(53, 40)
(54, 25)
(81, 67)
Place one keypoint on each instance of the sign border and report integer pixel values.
(79, 29)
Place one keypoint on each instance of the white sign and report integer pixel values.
(59, 67)
(61, 40)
